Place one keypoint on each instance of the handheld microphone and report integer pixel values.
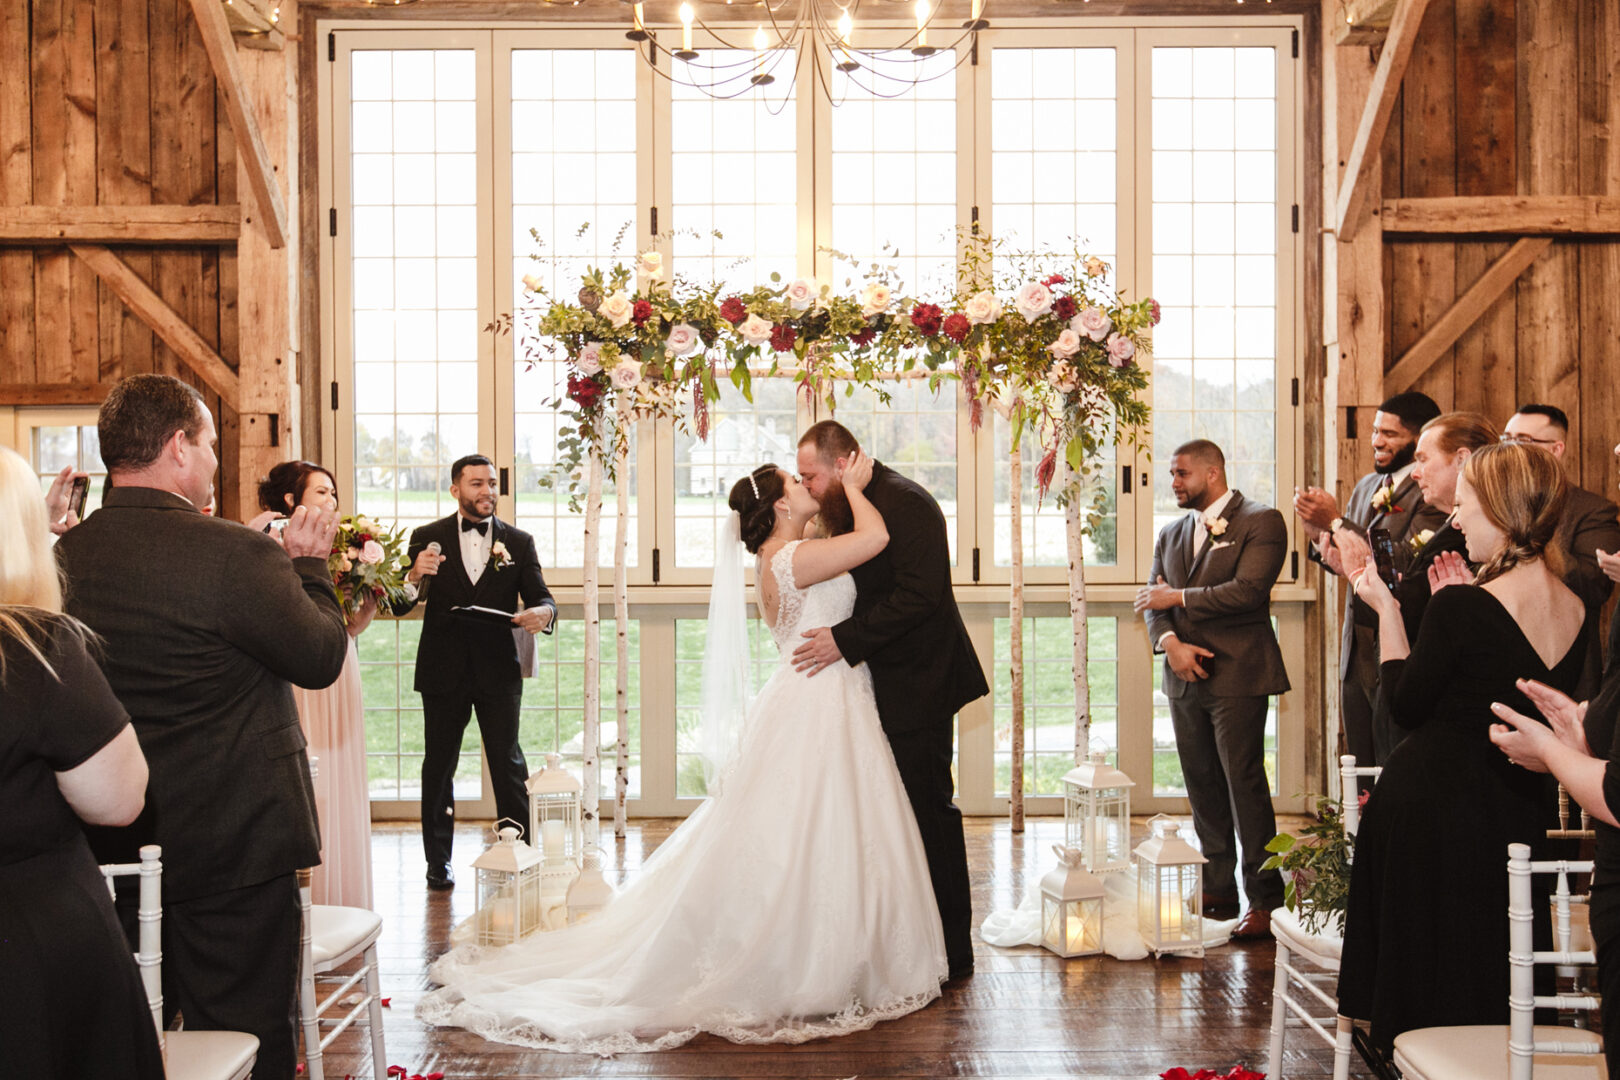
(427, 579)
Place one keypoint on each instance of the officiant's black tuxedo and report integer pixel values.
(1220, 721)
(908, 632)
(205, 626)
(464, 666)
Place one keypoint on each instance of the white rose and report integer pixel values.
(1066, 345)
(1033, 300)
(650, 264)
(616, 309)
(982, 308)
(626, 374)
(1092, 322)
(802, 293)
(683, 338)
(1063, 376)
(589, 360)
(531, 283)
(875, 299)
(755, 330)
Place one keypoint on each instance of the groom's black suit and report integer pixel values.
(908, 632)
(462, 665)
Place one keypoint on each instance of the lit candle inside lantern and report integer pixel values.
(553, 840)
(1170, 913)
(1077, 933)
(686, 27)
(498, 917)
(922, 24)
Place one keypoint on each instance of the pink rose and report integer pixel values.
(1092, 322)
(1066, 345)
(589, 360)
(682, 340)
(371, 553)
(1120, 350)
(1033, 300)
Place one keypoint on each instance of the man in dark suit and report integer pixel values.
(205, 624)
(465, 664)
(1387, 498)
(908, 632)
(1588, 526)
(1209, 611)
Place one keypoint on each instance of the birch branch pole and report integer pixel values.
(621, 617)
(1015, 614)
(1074, 521)
(592, 735)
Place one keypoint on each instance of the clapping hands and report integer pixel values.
(1525, 741)
(1449, 569)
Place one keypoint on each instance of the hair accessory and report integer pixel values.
(753, 485)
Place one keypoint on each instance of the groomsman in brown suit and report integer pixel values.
(1589, 525)
(1386, 498)
(1208, 611)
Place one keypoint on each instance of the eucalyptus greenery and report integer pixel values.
(1316, 868)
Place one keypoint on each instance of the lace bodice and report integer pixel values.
(822, 604)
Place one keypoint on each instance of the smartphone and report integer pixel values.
(77, 496)
(1383, 549)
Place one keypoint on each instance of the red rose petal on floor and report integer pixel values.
(385, 1002)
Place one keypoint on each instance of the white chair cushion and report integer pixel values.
(337, 933)
(1481, 1053)
(1325, 949)
(209, 1055)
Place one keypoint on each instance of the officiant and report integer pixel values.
(467, 661)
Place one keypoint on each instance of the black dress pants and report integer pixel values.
(924, 760)
(445, 717)
(230, 963)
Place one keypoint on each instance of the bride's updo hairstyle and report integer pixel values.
(757, 511)
(1522, 491)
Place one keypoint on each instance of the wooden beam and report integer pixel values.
(185, 341)
(1461, 315)
(135, 224)
(216, 36)
(255, 25)
(54, 393)
(1514, 215)
(1355, 193)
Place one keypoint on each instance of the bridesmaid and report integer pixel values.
(334, 718)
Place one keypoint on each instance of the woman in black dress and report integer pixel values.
(71, 1001)
(1582, 749)
(1426, 932)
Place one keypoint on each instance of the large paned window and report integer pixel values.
(459, 162)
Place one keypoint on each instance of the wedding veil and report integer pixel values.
(725, 659)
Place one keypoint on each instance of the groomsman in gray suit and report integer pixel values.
(1386, 498)
(1208, 611)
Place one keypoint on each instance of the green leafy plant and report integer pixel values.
(1316, 868)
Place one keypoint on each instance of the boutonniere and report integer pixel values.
(1421, 541)
(1383, 500)
(1216, 527)
(499, 557)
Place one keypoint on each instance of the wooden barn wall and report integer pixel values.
(1507, 97)
(112, 102)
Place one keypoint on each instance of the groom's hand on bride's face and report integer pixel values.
(818, 651)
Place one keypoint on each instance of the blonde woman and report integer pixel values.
(71, 1002)
(1427, 926)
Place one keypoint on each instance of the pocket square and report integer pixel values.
(1217, 545)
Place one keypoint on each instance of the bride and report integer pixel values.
(795, 902)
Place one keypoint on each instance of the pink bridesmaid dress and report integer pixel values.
(335, 724)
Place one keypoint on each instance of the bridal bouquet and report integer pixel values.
(367, 561)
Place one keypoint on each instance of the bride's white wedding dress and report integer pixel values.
(794, 904)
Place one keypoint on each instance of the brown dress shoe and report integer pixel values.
(1254, 926)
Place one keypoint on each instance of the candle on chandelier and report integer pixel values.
(686, 27)
(639, 24)
(846, 26)
(922, 24)
(978, 9)
(761, 43)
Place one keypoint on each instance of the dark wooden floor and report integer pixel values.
(1026, 1013)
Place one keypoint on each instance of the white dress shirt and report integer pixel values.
(475, 546)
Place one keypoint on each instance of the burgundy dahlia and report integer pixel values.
(734, 311)
(926, 317)
(783, 336)
(1064, 308)
(584, 391)
(957, 326)
(864, 336)
(641, 312)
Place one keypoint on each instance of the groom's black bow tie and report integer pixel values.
(469, 526)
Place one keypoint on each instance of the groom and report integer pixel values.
(907, 631)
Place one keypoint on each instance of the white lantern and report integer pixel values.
(1071, 906)
(1170, 891)
(590, 891)
(508, 890)
(554, 823)
(1097, 814)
